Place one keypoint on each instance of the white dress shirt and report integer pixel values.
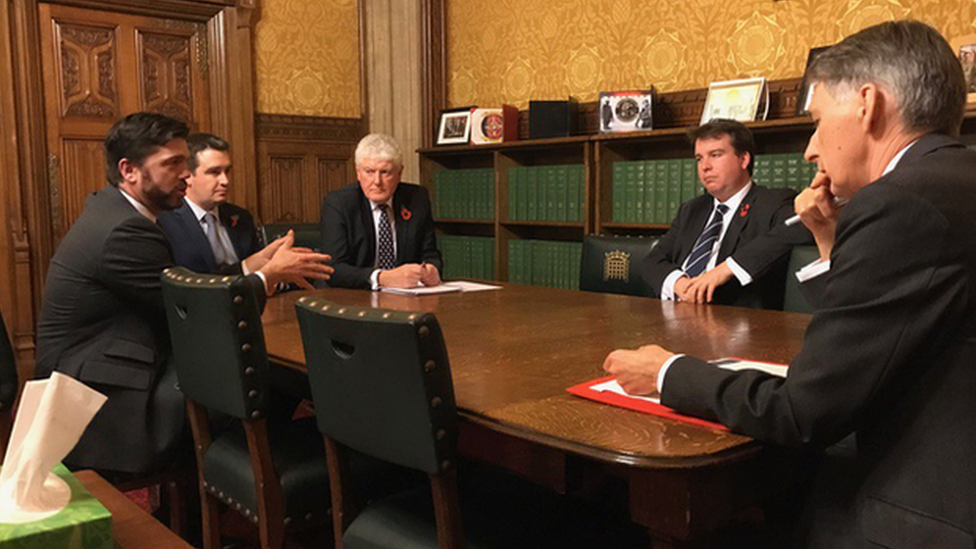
(744, 278)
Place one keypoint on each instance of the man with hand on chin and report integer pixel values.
(884, 382)
(380, 233)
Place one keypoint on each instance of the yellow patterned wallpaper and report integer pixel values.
(306, 56)
(510, 51)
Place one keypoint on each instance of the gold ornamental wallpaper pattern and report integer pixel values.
(511, 51)
(306, 56)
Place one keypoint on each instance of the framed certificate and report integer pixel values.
(736, 99)
(965, 49)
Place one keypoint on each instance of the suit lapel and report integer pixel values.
(740, 218)
(231, 222)
(194, 232)
(366, 218)
(401, 224)
(696, 224)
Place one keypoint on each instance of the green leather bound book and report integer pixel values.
(640, 182)
(617, 215)
(83, 524)
(661, 192)
(674, 187)
(574, 190)
(689, 180)
(650, 181)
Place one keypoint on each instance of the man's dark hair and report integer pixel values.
(200, 142)
(909, 59)
(137, 136)
(739, 135)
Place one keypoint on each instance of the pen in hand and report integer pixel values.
(838, 202)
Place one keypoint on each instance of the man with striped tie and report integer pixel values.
(721, 247)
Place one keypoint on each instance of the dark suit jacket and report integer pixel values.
(756, 239)
(102, 322)
(349, 237)
(191, 249)
(890, 355)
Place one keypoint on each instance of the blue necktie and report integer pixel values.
(387, 259)
(702, 252)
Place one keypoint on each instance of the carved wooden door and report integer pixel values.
(100, 66)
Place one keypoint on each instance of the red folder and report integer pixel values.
(585, 390)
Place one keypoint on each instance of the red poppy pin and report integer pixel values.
(234, 219)
(744, 210)
(405, 213)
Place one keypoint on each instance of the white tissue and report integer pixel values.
(52, 415)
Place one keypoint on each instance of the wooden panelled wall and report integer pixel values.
(300, 160)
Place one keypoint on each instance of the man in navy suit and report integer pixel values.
(380, 233)
(729, 245)
(209, 234)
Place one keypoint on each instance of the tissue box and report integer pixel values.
(83, 524)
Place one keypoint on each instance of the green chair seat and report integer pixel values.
(299, 458)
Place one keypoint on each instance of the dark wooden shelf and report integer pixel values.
(554, 142)
(460, 221)
(640, 226)
(518, 223)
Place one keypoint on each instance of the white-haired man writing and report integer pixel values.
(380, 233)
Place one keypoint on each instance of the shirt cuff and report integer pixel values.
(667, 289)
(741, 275)
(245, 271)
(664, 370)
(264, 281)
(813, 270)
(374, 280)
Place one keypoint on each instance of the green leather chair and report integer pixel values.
(273, 474)
(381, 384)
(307, 235)
(793, 299)
(611, 264)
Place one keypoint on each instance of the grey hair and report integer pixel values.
(379, 146)
(907, 58)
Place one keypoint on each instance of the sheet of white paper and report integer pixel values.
(447, 287)
(467, 286)
(423, 290)
(613, 387)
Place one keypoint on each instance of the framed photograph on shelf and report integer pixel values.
(965, 48)
(455, 127)
(740, 100)
(494, 125)
(626, 111)
(804, 94)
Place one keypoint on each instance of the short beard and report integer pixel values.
(160, 200)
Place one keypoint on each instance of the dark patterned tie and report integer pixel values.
(387, 259)
(702, 251)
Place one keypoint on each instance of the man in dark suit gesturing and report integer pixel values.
(890, 354)
(102, 319)
(208, 233)
(379, 232)
(720, 247)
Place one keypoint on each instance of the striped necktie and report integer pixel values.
(702, 252)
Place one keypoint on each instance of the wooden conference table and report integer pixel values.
(513, 353)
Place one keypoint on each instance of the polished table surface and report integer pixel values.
(514, 351)
(132, 527)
